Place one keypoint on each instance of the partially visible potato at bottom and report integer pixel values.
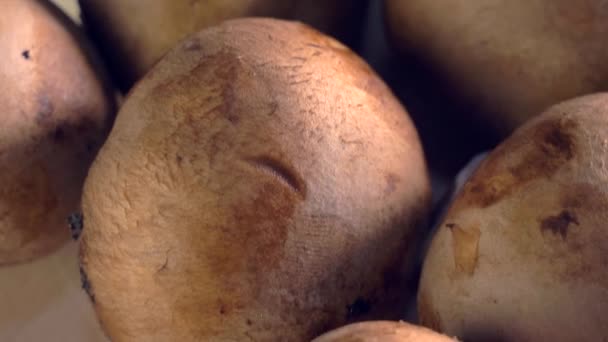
(382, 331)
(55, 115)
(522, 254)
(260, 183)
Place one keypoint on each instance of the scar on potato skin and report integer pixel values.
(281, 171)
(559, 224)
(465, 244)
(554, 145)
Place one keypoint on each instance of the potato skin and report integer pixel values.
(55, 115)
(522, 254)
(382, 331)
(507, 60)
(137, 33)
(260, 182)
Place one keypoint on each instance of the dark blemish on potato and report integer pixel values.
(179, 159)
(249, 322)
(554, 146)
(284, 173)
(223, 309)
(557, 140)
(45, 110)
(25, 54)
(357, 309)
(465, 246)
(76, 224)
(85, 284)
(559, 224)
(391, 183)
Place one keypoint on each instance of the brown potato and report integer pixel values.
(55, 114)
(522, 254)
(261, 182)
(508, 60)
(135, 34)
(382, 331)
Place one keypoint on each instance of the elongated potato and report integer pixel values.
(260, 183)
(55, 114)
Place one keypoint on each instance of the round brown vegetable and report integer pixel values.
(55, 114)
(507, 59)
(382, 331)
(522, 254)
(260, 183)
(135, 34)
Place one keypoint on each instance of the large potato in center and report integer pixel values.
(260, 183)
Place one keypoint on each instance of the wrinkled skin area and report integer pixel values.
(260, 183)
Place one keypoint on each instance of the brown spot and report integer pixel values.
(25, 54)
(249, 322)
(554, 145)
(391, 183)
(427, 314)
(283, 172)
(559, 224)
(223, 309)
(465, 244)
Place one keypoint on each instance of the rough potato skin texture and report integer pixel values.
(522, 254)
(137, 33)
(55, 115)
(260, 183)
(508, 60)
(382, 331)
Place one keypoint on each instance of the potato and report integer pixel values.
(382, 331)
(261, 182)
(55, 114)
(522, 254)
(135, 34)
(507, 60)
